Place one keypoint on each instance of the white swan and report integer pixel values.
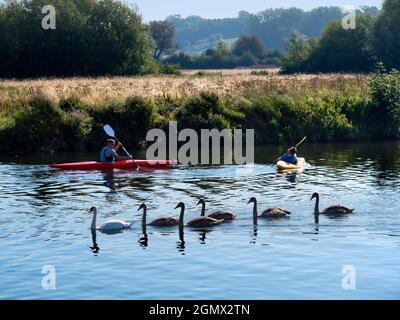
(110, 225)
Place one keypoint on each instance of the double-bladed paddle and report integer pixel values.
(111, 133)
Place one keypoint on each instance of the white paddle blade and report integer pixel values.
(110, 132)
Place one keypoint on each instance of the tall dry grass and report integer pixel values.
(94, 91)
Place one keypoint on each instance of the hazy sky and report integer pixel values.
(160, 9)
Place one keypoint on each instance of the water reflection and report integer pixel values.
(144, 239)
(253, 236)
(94, 248)
(202, 237)
(109, 179)
(180, 245)
(290, 175)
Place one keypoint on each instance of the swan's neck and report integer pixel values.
(144, 217)
(203, 209)
(255, 214)
(181, 216)
(316, 208)
(93, 225)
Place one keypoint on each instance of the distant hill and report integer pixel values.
(195, 34)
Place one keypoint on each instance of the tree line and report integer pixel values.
(247, 51)
(271, 26)
(108, 37)
(375, 39)
(91, 38)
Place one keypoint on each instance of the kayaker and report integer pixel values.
(109, 152)
(290, 156)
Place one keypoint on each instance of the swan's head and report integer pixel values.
(314, 195)
(252, 200)
(180, 205)
(201, 201)
(93, 210)
(142, 206)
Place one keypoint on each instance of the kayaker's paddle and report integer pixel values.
(111, 133)
(302, 140)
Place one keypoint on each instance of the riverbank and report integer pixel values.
(68, 114)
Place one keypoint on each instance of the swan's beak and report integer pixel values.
(198, 202)
(177, 206)
(312, 197)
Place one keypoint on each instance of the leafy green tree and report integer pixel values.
(338, 49)
(117, 41)
(345, 50)
(387, 34)
(385, 90)
(251, 44)
(92, 37)
(222, 48)
(163, 35)
(297, 54)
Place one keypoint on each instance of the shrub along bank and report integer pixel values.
(330, 114)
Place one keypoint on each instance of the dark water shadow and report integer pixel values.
(254, 234)
(180, 245)
(94, 248)
(144, 239)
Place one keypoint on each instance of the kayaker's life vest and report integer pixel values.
(104, 158)
(292, 158)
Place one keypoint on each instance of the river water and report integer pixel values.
(45, 226)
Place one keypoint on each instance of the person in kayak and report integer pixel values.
(290, 156)
(109, 152)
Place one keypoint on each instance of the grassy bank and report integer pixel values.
(68, 114)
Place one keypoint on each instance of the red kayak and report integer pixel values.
(125, 164)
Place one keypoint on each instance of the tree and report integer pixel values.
(251, 44)
(338, 49)
(91, 38)
(297, 55)
(341, 50)
(387, 34)
(118, 42)
(163, 35)
(222, 48)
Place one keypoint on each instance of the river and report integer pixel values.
(44, 221)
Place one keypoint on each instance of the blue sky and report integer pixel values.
(160, 9)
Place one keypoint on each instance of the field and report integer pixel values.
(233, 82)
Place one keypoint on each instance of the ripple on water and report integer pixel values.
(44, 221)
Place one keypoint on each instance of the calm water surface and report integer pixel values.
(44, 221)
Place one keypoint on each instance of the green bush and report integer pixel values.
(173, 69)
(385, 90)
(131, 119)
(206, 111)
